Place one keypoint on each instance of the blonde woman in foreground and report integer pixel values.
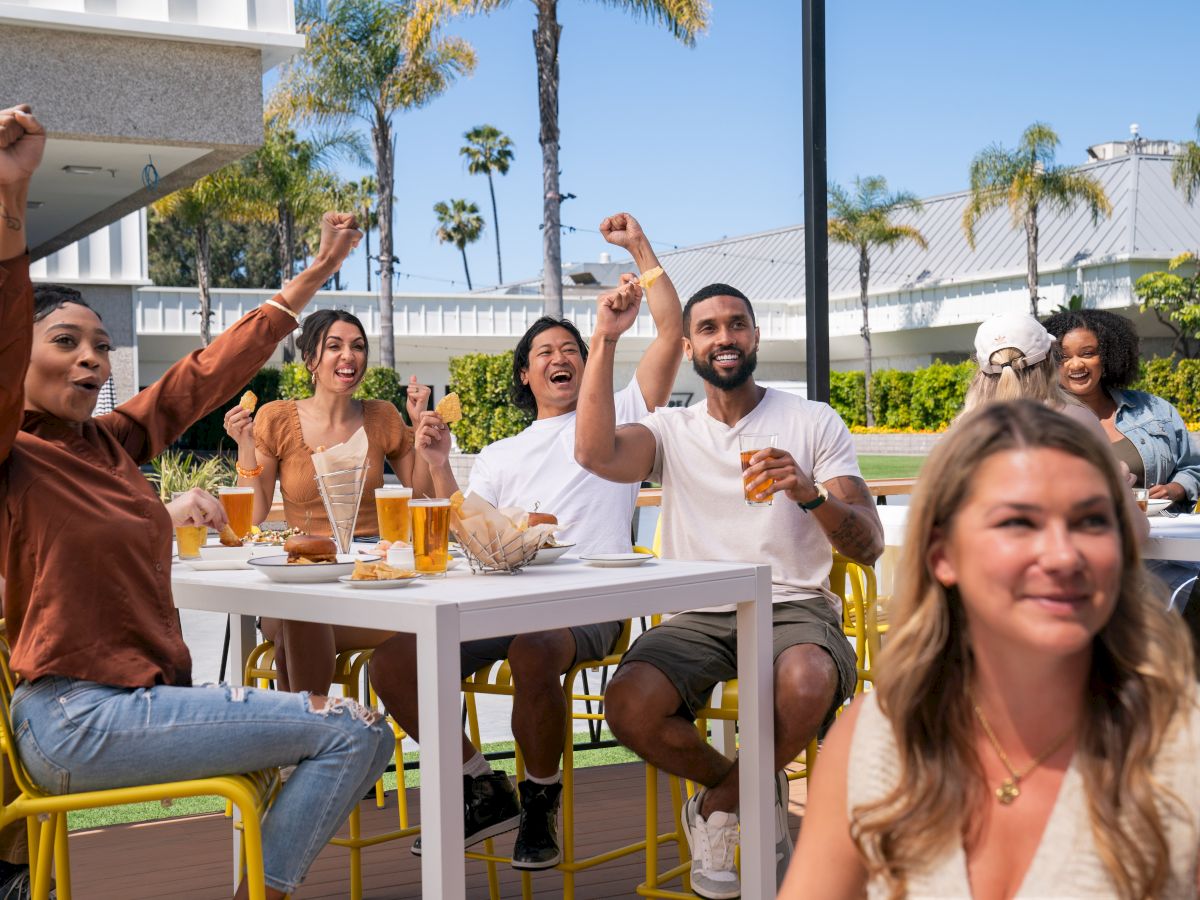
(1036, 730)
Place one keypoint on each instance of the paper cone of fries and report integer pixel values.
(341, 474)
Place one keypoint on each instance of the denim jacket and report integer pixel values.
(1156, 429)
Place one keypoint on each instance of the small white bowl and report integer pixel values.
(277, 568)
(380, 584)
(617, 560)
(216, 557)
(1154, 507)
(547, 555)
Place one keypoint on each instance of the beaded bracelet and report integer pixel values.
(249, 473)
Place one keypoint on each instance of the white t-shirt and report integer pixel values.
(537, 467)
(704, 513)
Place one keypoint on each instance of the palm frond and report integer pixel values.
(1185, 170)
(1064, 188)
(685, 19)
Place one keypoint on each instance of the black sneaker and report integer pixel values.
(537, 839)
(490, 808)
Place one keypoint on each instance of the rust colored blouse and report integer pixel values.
(277, 434)
(85, 543)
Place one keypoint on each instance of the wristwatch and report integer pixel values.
(822, 496)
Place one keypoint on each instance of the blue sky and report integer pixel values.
(706, 142)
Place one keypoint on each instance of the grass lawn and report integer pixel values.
(194, 806)
(890, 466)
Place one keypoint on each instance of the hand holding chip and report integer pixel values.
(616, 311)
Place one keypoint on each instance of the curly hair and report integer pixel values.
(1117, 338)
(49, 297)
(1142, 676)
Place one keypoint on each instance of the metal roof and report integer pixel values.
(1150, 219)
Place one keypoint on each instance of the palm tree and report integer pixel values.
(489, 150)
(196, 209)
(864, 221)
(459, 223)
(684, 18)
(358, 197)
(368, 60)
(1185, 171)
(1026, 179)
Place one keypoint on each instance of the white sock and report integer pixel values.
(477, 766)
(556, 778)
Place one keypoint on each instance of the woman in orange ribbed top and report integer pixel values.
(278, 443)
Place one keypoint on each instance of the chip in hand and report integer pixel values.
(449, 409)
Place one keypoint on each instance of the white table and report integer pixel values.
(1175, 538)
(443, 612)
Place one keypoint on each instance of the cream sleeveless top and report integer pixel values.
(1065, 864)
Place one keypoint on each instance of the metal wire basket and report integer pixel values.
(495, 557)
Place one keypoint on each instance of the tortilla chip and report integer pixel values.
(229, 537)
(248, 401)
(449, 408)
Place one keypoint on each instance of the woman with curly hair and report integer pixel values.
(1035, 729)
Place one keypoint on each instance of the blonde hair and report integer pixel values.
(1038, 382)
(1142, 674)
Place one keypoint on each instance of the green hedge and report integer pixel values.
(208, 435)
(848, 395)
(1176, 380)
(924, 400)
(482, 382)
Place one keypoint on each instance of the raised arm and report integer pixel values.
(660, 364)
(626, 454)
(207, 378)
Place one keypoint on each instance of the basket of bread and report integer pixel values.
(498, 540)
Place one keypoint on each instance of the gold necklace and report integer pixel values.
(1009, 790)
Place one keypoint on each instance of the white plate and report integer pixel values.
(381, 583)
(215, 557)
(547, 555)
(277, 569)
(616, 560)
(1154, 507)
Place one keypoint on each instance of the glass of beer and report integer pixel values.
(391, 504)
(239, 507)
(189, 538)
(430, 535)
(1142, 497)
(749, 444)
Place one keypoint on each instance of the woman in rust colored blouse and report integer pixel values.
(278, 443)
(104, 697)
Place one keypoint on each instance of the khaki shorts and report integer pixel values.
(591, 642)
(698, 650)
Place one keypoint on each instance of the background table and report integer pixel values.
(443, 612)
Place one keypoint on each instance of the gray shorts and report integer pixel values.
(698, 650)
(591, 642)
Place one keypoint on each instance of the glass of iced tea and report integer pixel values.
(189, 538)
(430, 535)
(391, 505)
(749, 444)
(239, 507)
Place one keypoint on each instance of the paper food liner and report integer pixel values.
(500, 538)
(341, 474)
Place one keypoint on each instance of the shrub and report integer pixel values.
(1175, 380)
(482, 382)
(937, 394)
(295, 382)
(382, 383)
(208, 434)
(891, 398)
(848, 395)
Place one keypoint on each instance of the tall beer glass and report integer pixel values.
(391, 504)
(749, 444)
(239, 507)
(189, 538)
(430, 535)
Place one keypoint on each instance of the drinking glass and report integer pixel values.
(391, 505)
(239, 508)
(749, 444)
(189, 538)
(430, 534)
(1142, 496)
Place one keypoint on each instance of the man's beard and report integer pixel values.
(731, 381)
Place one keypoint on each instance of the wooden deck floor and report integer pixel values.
(189, 858)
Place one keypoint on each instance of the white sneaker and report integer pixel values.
(713, 844)
(783, 836)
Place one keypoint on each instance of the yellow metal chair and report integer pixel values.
(497, 679)
(46, 814)
(855, 584)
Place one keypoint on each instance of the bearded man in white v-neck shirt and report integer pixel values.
(820, 503)
(536, 469)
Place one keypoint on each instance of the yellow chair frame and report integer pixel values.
(857, 605)
(46, 814)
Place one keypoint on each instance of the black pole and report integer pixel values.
(816, 203)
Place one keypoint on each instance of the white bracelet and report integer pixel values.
(278, 305)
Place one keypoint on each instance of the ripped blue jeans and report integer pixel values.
(77, 735)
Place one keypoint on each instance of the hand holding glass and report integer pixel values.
(189, 538)
(749, 444)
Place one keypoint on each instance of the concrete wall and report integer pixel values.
(115, 304)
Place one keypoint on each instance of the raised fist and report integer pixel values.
(622, 230)
(22, 140)
(616, 311)
(339, 236)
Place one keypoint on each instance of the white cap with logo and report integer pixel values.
(1020, 332)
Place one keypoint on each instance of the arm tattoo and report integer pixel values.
(10, 222)
(856, 535)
